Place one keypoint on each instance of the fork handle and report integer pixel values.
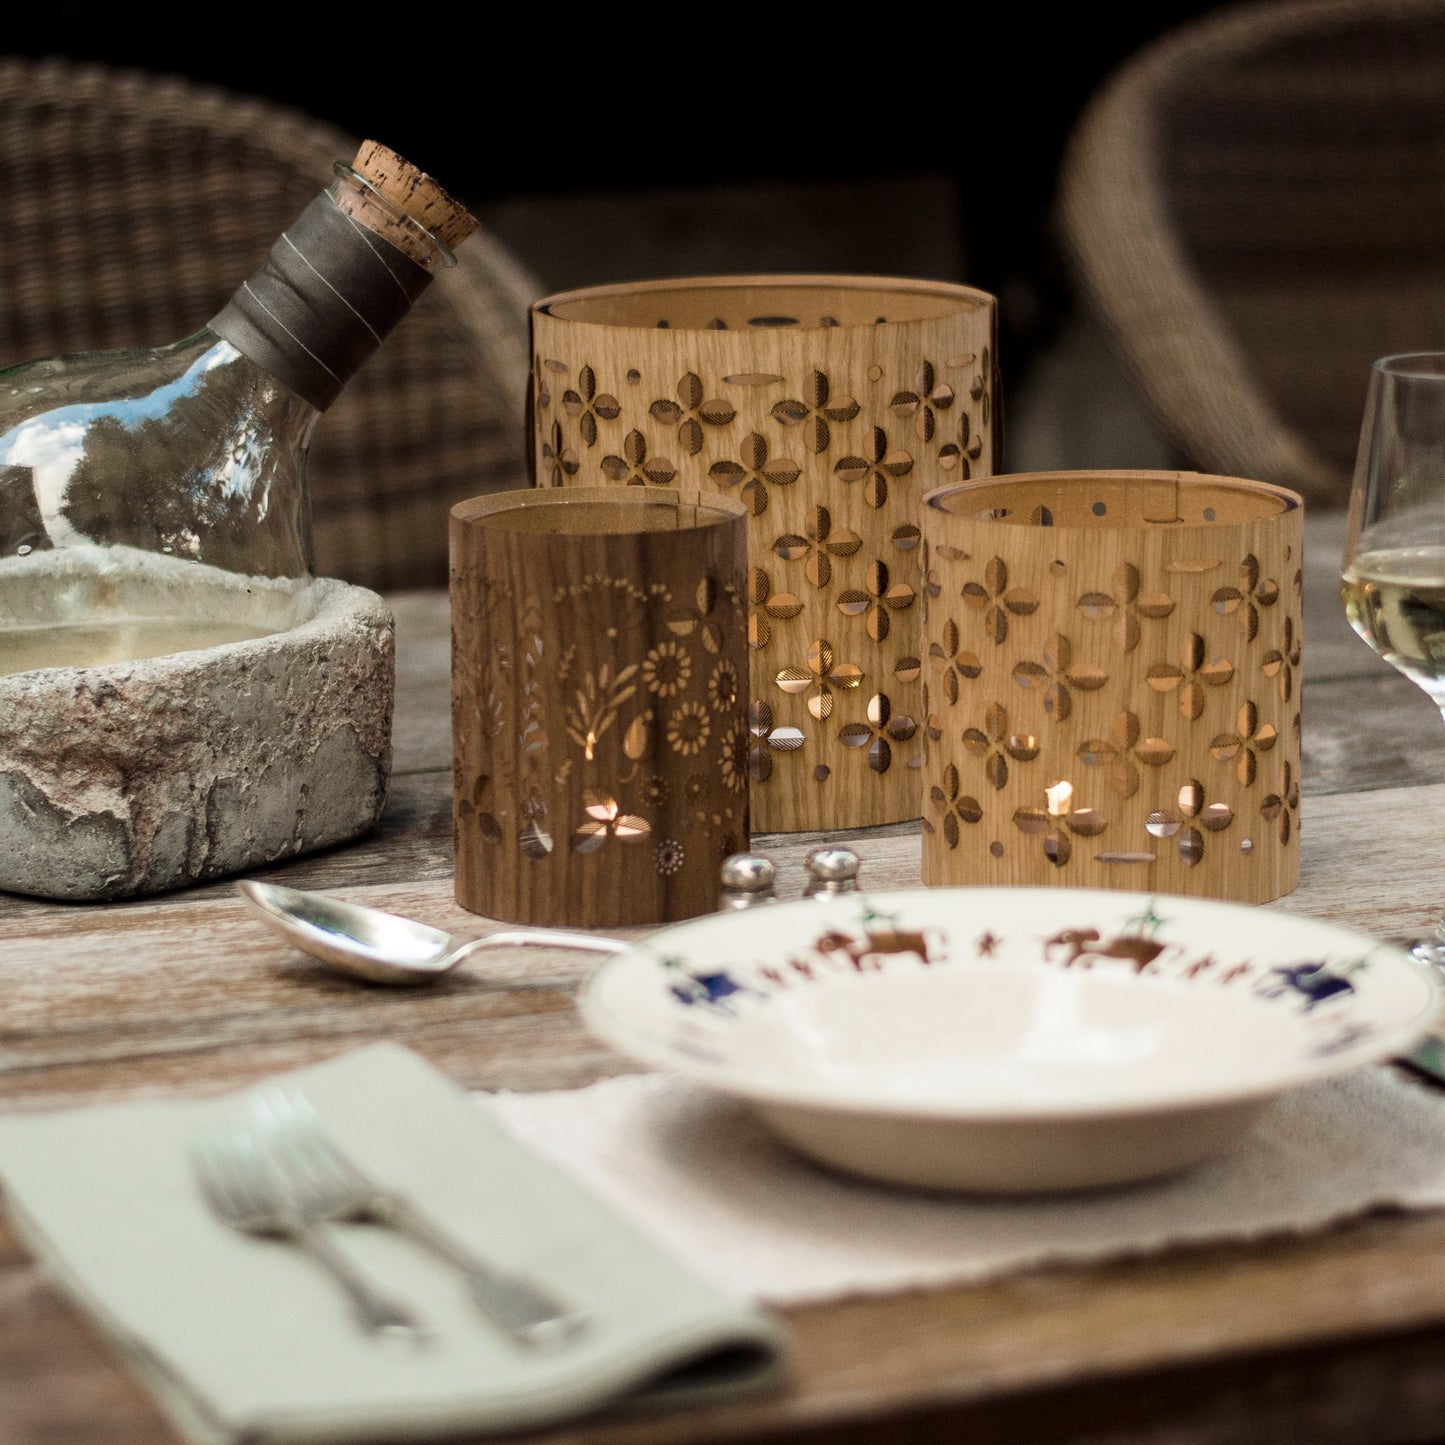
(378, 1313)
(529, 1312)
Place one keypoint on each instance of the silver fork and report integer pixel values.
(332, 1184)
(245, 1189)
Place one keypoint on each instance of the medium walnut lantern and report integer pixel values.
(599, 703)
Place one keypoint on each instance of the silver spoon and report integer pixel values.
(384, 947)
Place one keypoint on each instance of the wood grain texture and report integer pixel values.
(829, 405)
(1336, 1338)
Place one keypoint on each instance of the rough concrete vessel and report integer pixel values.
(126, 778)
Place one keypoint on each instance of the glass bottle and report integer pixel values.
(142, 492)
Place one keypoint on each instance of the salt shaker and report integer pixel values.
(748, 879)
(831, 870)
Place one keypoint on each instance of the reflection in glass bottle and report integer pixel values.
(174, 477)
(200, 457)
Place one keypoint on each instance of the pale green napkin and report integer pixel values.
(247, 1339)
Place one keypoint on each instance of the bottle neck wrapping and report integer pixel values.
(324, 299)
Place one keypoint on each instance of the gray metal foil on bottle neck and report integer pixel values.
(324, 299)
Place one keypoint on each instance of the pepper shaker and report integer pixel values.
(831, 870)
(748, 879)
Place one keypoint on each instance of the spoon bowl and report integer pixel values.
(380, 947)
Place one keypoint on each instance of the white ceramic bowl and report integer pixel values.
(1009, 1039)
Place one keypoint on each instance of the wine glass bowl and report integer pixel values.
(1393, 566)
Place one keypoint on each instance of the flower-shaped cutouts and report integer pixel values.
(587, 406)
(921, 405)
(817, 545)
(767, 607)
(755, 473)
(560, 460)
(952, 807)
(1281, 664)
(876, 470)
(1187, 824)
(879, 733)
(817, 411)
(1244, 746)
(951, 660)
(767, 734)
(634, 468)
(1057, 676)
(1243, 601)
(690, 412)
(1122, 751)
(1194, 673)
(882, 596)
(823, 676)
(604, 822)
(1125, 605)
(997, 601)
(995, 745)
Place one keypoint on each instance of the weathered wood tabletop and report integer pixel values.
(1339, 1338)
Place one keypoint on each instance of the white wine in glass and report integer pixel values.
(1393, 573)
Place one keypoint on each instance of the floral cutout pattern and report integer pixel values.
(817, 412)
(1244, 600)
(879, 733)
(859, 435)
(688, 414)
(1194, 672)
(559, 461)
(754, 473)
(1282, 663)
(586, 406)
(996, 600)
(995, 745)
(1122, 750)
(817, 545)
(952, 807)
(767, 606)
(1057, 677)
(580, 731)
(605, 822)
(882, 596)
(923, 402)
(1244, 746)
(1193, 783)
(952, 661)
(1126, 606)
(877, 470)
(634, 469)
(767, 734)
(824, 675)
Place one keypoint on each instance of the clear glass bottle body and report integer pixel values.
(154, 499)
(188, 450)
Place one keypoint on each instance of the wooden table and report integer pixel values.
(1339, 1338)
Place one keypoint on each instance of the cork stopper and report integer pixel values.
(414, 192)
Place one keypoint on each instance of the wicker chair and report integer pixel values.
(135, 203)
(1253, 208)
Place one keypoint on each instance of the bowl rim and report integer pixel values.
(772, 1089)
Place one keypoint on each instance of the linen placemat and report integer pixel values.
(246, 1339)
(708, 1181)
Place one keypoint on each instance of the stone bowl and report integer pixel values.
(266, 736)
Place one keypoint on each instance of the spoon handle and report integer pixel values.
(544, 938)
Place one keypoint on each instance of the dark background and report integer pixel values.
(605, 148)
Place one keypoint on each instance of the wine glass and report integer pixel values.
(1393, 568)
